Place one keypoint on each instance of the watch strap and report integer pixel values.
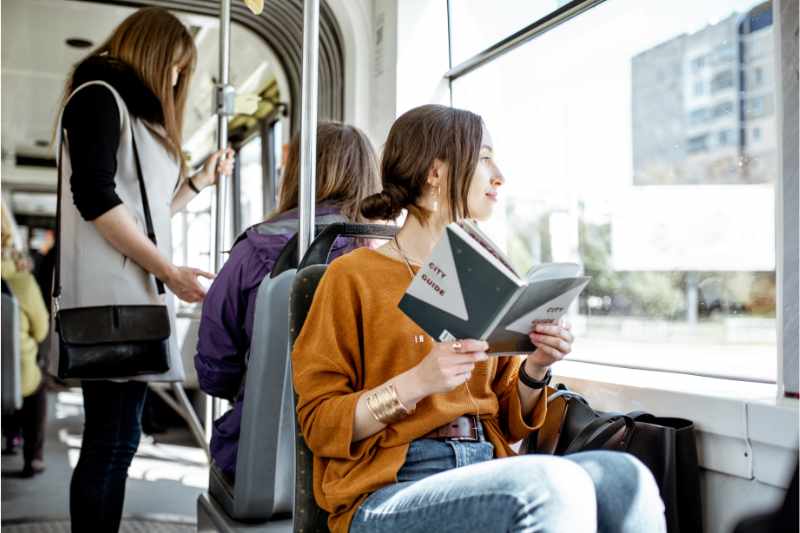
(532, 382)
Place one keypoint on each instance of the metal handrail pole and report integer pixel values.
(308, 126)
(184, 408)
(190, 416)
(224, 108)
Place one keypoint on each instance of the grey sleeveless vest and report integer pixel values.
(93, 272)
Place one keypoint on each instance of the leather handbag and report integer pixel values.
(665, 445)
(110, 341)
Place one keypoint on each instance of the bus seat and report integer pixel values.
(264, 484)
(309, 517)
(264, 489)
(11, 372)
(212, 518)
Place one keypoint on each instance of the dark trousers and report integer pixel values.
(31, 421)
(111, 432)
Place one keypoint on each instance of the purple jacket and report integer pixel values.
(226, 325)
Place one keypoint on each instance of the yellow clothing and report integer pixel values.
(354, 339)
(34, 322)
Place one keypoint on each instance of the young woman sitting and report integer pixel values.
(413, 435)
(346, 174)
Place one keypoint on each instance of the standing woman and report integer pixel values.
(132, 88)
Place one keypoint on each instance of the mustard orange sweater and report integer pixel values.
(354, 339)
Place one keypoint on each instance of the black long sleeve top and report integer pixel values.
(92, 121)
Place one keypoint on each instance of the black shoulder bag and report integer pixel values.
(665, 445)
(110, 341)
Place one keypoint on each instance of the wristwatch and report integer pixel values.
(532, 383)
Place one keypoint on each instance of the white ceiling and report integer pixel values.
(36, 60)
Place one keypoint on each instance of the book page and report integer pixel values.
(471, 230)
(547, 312)
(553, 271)
(544, 300)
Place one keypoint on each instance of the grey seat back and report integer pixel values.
(309, 517)
(264, 485)
(264, 489)
(11, 372)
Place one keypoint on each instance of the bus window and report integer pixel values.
(252, 183)
(623, 149)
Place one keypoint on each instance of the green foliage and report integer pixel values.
(652, 294)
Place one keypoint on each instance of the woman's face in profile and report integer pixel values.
(486, 182)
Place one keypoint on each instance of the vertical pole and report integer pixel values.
(308, 126)
(222, 125)
(224, 104)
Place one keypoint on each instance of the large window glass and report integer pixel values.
(475, 25)
(252, 176)
(639, 139)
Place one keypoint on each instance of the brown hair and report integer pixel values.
(416, 139)
(347, 170)
(147, 41)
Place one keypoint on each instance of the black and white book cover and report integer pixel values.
(468, 289)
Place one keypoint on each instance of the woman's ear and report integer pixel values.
(437, 173)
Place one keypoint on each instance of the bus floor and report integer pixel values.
(164, 480)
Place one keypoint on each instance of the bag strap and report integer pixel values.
(568, 394)
(148, 220)
(642, 416)
(145, 204)
(599, 431)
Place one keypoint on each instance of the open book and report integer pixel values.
(468, 289)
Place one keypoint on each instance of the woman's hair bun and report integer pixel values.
(385, 205)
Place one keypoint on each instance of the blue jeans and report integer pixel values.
(111, 432)
(458, 486)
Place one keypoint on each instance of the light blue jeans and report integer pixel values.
(458, 486)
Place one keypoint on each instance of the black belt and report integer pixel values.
(462, 428)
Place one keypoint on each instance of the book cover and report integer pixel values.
(458, 291)
(468, 289)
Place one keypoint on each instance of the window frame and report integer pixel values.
(787, 196)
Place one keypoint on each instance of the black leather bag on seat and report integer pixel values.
(666, 445)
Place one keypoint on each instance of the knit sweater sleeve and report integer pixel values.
(326, 362)
(514, 425)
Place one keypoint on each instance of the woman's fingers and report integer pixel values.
(469, 345)
(553, 353)
(203, 273)
(557, 343)
(225, 161)
(554, 330)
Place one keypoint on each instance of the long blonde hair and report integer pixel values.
(151, 41)
(347, 170)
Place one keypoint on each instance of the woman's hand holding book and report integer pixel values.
(553, 343)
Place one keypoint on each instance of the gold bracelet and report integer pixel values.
(385, 406)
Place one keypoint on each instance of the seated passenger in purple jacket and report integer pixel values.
(346, 173)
